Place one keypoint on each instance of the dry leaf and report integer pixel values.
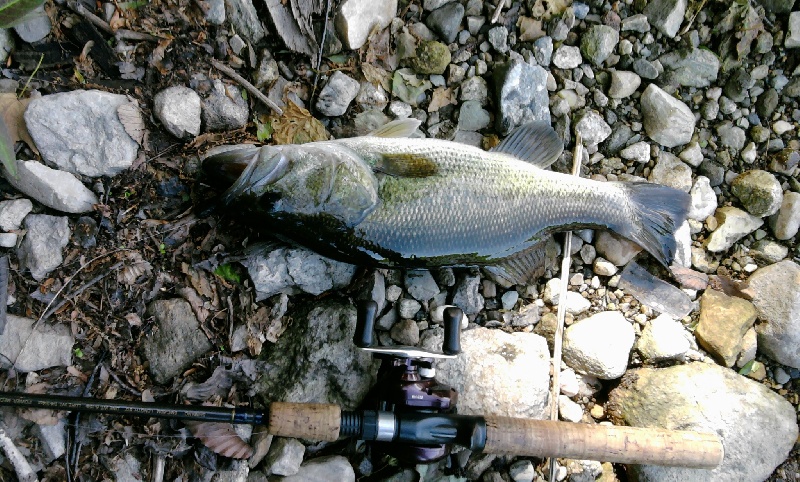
(131, 118)
(441, 97)
(135, 267)
(12, 110)
(377, 76)
(297, 126)
(689, 278)
(196, 302)
(221, 438)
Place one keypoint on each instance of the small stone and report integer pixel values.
(569, 410)
(731, 136)
(41, 248)
(522, 471)
(692, 154)
(323, 469)
(33, 347)
(663, 338)
(267, 70)
(769, 251)
(666, 15)
(749, 153)
(467, 296)
(603, 267)
(623, 84)
(691, 67)
(738, 84)
(577, 304)
(509, 299)
(521, 95)
(337, 94)
(784, 161)
(723, 322)
(224, 109)
(358, 18)
(215, 14)
(498, 38)
(645, 68)
(635, 23)
(431, 57)
(592, 128)
(13, 212)
(407, 308)
(405, 332)
(446, 21)
(598, 43)
(782, 127)
(284, 457)
(245, 20)
(713, 171)
(776, 296)
(178, 108)
(567, 57)
(35, 26)
(599, 345)
(766, 103)
(671, 171)
(421, 285)
(704, 199)
(734, 224)
(786, 223)
(759, 192)
(543, 50)
(667, 120)
(473, 117)
(616, 249)
(639, 152)
(526, 316)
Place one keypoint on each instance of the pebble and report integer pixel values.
(667, 120)
(645, 69)
(749, 153)
(776, 295)
(245, 20)
(420, 284)
(56, 189)
(34, 346)
(703, 199)
(225, 109)
(663, 338)
(320, 469)
(759, 192)
(731, 136)
(592, 128)
(543, 50)
(284, 457)
(6, 44)
(35, 26)
(567, 57)
(722, 324)
(473, 117)
(358, 18)
(691, 67)
(598, 43)
(405, 332)
(407, 308)
(178, 108)
(734, 224)
(498, 38)
(337, 94)
(623, 84)
(41, 248)
(569, 410)
(12, 212)
(446, 20)
(692, 154)
(639, 152)
(635, 23)
(603, 267)
(509, 299)
(466, 295)
(215, 14)
(599, 345)
(666, 15)
(671, 171)
(616, 249)
(431, 57)
(522, 471)
(786, 223)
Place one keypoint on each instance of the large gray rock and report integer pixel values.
(757, 427)
(666, 15)
(178, 108)
(521, 95)
(496, 373)
(337, 94)
(793, 36)
(41, 248)
(599, 345)
(667, 120)
(776, 296)
(692, 67)
(30, 348)
(324, 469)
(315, 361)
(177, 343)
(358, 18)
(280, 269)
(81, 132)
(56, 189)
(733, 225)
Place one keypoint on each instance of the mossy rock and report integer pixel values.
(431, 58)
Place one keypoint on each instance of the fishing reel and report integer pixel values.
(407, 384)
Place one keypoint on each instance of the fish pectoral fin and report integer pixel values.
(526, 266)
(397, 128)
(406, 165)
(536, 143)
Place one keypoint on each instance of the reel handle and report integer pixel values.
(452, 331)
(366, 313)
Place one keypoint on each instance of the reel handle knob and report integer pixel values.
(365, 323)
(452, 331)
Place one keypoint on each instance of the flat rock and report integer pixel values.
(176, 321)
(35, 26)
(337, 94)
(56, 189)
(81, 131)
(667, 120)
(497, 373)
(733, 225)
(279, 269)
(178, 108)
(42, 245)
(759, 191)
(787, 222)
(663, 338)
(692, 67)
(666, 15)
(748, 417)
(776, 296)
(356, 19)
(723, 322)
(623, 84)
(314, 361)
(31, 349)
(12, 213)
(599, 345)
(521, 95)
(654, 292)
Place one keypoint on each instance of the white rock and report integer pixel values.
(522, 471)
(749, 153)
(604, 267)
(178, 108)
(782, 127)
(566, 57)
(663, 339)
(40, 250)
(733, 225)
(667, 120)
(692, 154)
(666, 15)
(56, 189)
(568, 383)
(569, 410)
(793, 38)
(683, 246)
(786, 223)
(32, 349)
(13, 212)
(599, 345)
(358, 18)
(704, 199)
(639, 152)
(8, 240)
(577, 304)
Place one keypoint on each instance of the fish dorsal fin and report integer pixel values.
(397, 128)
(406, 165)
(536, 143)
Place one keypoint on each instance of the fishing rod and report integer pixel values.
(413, 417)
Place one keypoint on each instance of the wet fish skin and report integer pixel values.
(397, 201)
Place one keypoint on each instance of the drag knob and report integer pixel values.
(365, 323)
(452, 331)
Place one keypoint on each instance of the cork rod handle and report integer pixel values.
(605, 443)
(312, 421)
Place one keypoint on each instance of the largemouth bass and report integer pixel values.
(389, 200)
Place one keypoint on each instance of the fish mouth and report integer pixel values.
(267, 167)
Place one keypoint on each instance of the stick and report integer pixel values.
(247, 85)
(3, 292)
(106, 27)
(566, 260)
(497, 10)
(21, 466)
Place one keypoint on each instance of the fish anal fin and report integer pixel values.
(536, 143)
(397, 128)
(406, 165)
(526, 266)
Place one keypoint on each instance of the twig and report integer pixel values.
(125, 34)
(247, 85)
(21, 466)
(321, 48)
(123, 384)
(28, 82)
(98, 22)
(498, 10)
(3, 292)
(47, 314)
(566, 261)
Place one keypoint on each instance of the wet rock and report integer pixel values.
(314, 360)
(284, 457)
(599, 345)
(40, 251)
(733, 225)
(467, 296)
(787, 222)
(445, 21)
(592, 128)
(667, 120)
(723, 322)
(567, 57)
(278, 269)
(520, 362)
(80, 131)
(759, 192)
(655, 292)
(671, 171)
(623, 84)
(324, 469)
(244, 18)
(13, 212)
(692, 67)
(358, 18)
(704, 199)
(598, 43)
(431, 57)
(776, 296)
(521, 95)
(178, 108)
(225, 109)
(616, 249)
(31, 349)
(56, 189)
(748, 417)
(666, 15)
(337, 94)
(175, 321)
(663, 338)
(35, 27)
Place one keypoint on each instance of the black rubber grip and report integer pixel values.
(365, 323)
(452, 331)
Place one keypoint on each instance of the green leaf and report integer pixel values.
(263, 131)
(338, 59)
(162, 248)
(133, 5)
(7, 155)
(78, 352)
(13, 12)
(749, 367)
(228, 272)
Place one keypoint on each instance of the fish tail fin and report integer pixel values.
(658, 211)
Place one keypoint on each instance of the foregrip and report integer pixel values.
(311, 421)
(606, 443)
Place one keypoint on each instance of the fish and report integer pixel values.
(387, 199)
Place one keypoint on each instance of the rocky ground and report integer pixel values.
(118, 288)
